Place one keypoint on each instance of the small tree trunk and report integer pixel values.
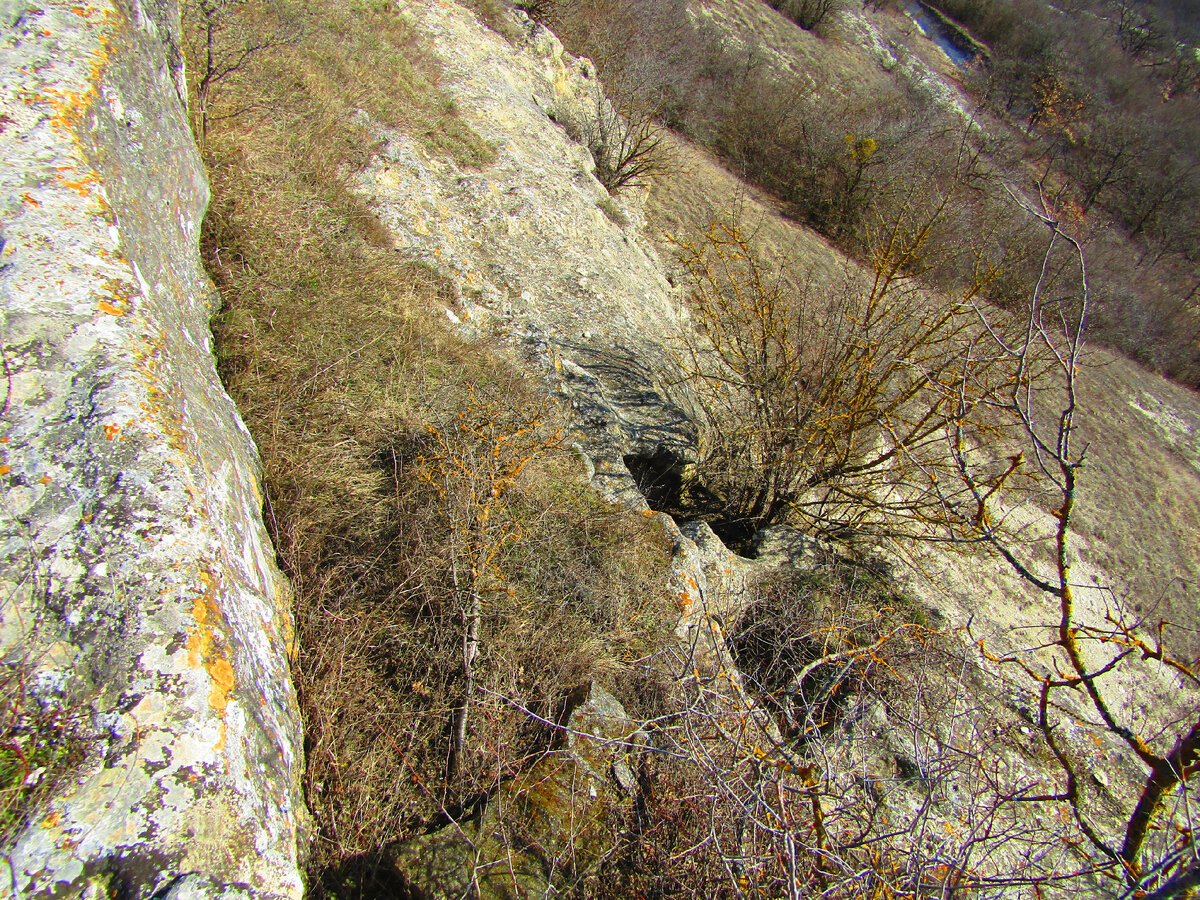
(470, 651)
(463, 713)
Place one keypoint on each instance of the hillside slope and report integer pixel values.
(525, 661)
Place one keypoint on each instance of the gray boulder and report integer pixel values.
(141, 600)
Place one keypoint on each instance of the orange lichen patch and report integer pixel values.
(82, 185)
(204, 650)
(30, 200)
(160, 408)
(223, 683)
(45, 479)
(71, 106)
(200, 635)
(109, 309)
(112, 432)
(4, 470)
(689, 594)
(120, 292)
(51, 820)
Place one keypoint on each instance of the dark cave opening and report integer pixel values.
(664, 480)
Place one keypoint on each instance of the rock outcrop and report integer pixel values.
(535, 246)
(140, 593)
(548, 827)
(139, 598)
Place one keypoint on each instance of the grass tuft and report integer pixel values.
(41, 745)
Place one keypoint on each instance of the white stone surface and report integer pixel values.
(138, 583)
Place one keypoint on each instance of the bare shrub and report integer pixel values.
(625, 140)
(227, 36)
(1167, 744)
(648, 55)
(831, 407)
(654, 57)
(808, 14)
(538, 10)
(472, 463)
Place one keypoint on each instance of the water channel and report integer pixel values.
(961, 50)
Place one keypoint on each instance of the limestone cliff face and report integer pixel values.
(136, 578)
(535, 246)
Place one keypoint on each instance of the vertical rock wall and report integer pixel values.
(137, 584)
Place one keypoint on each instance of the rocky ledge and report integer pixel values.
(141, 600)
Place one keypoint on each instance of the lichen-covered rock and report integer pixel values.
(546, 830)
(139, 588)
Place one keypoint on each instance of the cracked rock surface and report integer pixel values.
(535, 246)
(139, 587)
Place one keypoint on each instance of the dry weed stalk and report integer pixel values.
(473, 463)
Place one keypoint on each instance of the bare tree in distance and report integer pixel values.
(808, 14)
(625, 139)
(228, 44)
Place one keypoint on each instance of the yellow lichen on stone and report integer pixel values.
(71, 106)
(159, 408)
(200, 635)
(204, 650)
(224, 682)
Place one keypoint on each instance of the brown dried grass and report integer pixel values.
(338, 354)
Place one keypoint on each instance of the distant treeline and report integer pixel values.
(1108, 94)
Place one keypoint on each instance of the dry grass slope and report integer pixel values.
(341, 360)
(343, 365)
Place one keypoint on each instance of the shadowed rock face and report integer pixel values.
(138, 582)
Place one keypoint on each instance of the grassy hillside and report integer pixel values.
(447, 552)
(1105, 126)
(377, 426)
